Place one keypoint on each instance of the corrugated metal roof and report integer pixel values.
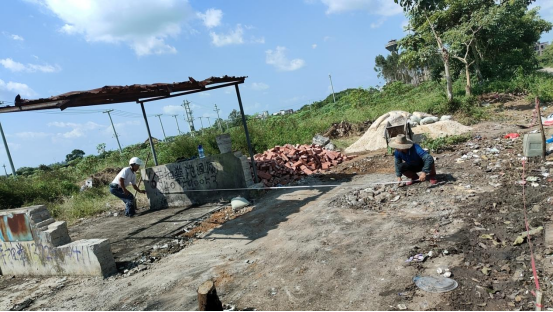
(115, 94)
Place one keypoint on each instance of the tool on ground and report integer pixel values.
(140, 181)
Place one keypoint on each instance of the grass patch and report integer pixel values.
(440, 144)
(83, 204)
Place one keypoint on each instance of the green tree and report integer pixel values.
(75, 154)
(234, 118)
(546, 59)
(101, 148)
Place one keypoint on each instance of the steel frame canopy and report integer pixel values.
(135, 93)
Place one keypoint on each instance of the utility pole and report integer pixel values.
(7, 150)
(5, 170)
(208, 122)
(178, 128)
(202, 123)
(329, 77)
(218, 118)
(114, 132)
(189, 116)
(159, 116)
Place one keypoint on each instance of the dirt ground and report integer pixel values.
(342, 245)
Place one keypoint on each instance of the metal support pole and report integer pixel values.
(208, 122)
(164, 136)
(332, 88)
(6, 171)
(115, 132)
(247, 134)
(149, 134)
(178, 128)
(7, 150)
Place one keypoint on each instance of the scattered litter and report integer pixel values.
(401, 306)
(417, 258)
(447, 274)
(532, 179)
(433, 284)
(520, 239)
(395, 199)
(511, 136)
(239, 202)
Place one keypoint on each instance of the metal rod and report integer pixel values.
(162, 129)
(149, 133)
(178, 128)
(190, 92)
(247, 134)
(6, 171)
(208, 122)
(329, 77)
(114, 132)
(7, 150)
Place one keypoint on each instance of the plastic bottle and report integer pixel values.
(201, 151)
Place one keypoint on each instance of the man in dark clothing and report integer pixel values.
(410, 158)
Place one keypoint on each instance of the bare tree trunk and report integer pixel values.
(468, 87)
(477, 63)
(449, 82)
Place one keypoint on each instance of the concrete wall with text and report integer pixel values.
(171, 185)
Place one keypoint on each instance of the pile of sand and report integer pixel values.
(374, 138)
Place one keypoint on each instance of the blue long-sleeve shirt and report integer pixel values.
(415, 156)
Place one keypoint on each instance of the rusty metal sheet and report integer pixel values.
(15, 228)
(115, 94)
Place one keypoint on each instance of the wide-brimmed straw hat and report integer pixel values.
(400, 142)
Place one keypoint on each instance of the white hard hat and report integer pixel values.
(135, 161)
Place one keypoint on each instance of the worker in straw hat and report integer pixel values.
(410, 158)
(124, 178)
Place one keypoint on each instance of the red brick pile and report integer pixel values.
(284, 164)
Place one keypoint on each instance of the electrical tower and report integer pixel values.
(189, 117)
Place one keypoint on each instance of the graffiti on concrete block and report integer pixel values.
(15, 227)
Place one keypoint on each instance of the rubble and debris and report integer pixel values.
(522, 237)
(239, 202)
(284, 164)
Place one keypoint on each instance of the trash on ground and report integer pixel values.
(511, 136)
(239, 202)
(521, 238)
(433, 284)
(417, 258)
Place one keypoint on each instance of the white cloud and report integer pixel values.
(378, 7)
(143, 25)
(211, 17)
(314, 45)
(378, 23)
(295, 99)
(258, 40)
(173, 110)
(278, 59)
(233, 37)
(17, 37)
(32, 135)
(78, 130)
(327, 38)
(17, 88)
(14, 66)
(259, 86)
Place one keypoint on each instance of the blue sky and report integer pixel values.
(286, 48)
